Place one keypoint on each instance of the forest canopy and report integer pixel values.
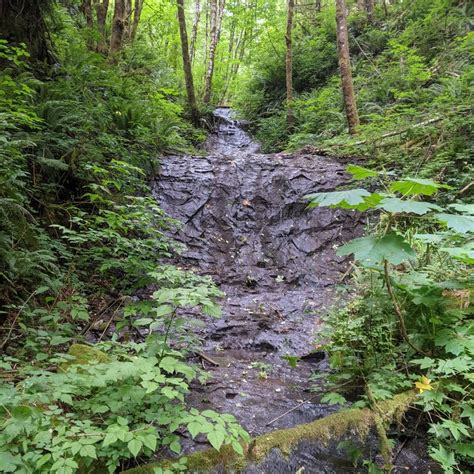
(96, 332)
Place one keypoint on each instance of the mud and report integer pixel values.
(246, 225)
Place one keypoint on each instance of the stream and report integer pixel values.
(245, 225)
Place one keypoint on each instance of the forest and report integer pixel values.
(236, 236)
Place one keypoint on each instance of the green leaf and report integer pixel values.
(175, 446)
(333, 398)
(444, 457)
(358, 172)
(344, 199)
(391, 247)
(216, 438)
(163, 310)
(134, 446)
(88, 451)
(461, 224)
(416, 187)
(143, 322)
(150, 386)
(463, 208)
(8, 462)
(43, 460)
(424, 363)
(150, 441)
(394, 204)
(194, 428)
(465, 449)
(237, 447)
(168, 364)
(109, 439)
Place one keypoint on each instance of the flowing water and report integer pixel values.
(246, 225)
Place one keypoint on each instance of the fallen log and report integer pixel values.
(325, 434)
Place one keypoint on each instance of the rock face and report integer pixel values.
(245, 223)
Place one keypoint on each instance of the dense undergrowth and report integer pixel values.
(412, 69)
(80, 235)
(409, 324)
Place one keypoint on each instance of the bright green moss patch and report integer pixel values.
(84, 354)
(353, 422)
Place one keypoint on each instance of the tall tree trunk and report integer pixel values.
(289, 65)
(102, 8)
(369, 6)
(197, 17)
(350, 104)
(24, 22)
(127, 20)
(217, 12)
(86, 8)
(137, 12)
(118, 26)
(188, 73)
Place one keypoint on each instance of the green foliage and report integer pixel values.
(102, 414)
(80, 237)
(410, 324)
(412, 70)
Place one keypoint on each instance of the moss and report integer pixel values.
(355, 422)
(84, 354)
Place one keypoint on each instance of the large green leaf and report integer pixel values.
(346, 199)
(416, 186)
(465, 253)
(394, 204)
(461, 224)
(358, 172)
(369, 250)
(463, 208)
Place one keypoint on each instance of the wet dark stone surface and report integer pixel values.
(246, 225)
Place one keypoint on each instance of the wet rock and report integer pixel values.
(245, 223)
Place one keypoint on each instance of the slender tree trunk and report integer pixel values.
(217, 12)
(86, 8)
(118, 26)
(188, 73)
(350, 104)
(289, 65)
(127, 20)
(197, 17)
(101, 9)
(137, 11)
(369, 6)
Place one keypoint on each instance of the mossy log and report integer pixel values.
(347, 424)
(84, 354)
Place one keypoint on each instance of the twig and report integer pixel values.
(7, 337)
(109, 322)
(398, 311)
(291, 410)
(463, 190)
(207, 358)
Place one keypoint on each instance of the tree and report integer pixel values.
(369, 6)
(101, 9)
(217, 12)
(188, 73)
(289, 64)
(197, 17)
(350, 104)
(118, 26)
(24, 22)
